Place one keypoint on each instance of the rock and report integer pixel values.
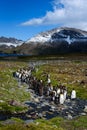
(38, 107)
(42, 105)
(54, 126)
(70, 107)
(36, 100)
(45, 103)
(66, 112)
(83, 114)
(1, 101)
(71, 111)
(85, 109)
(28, 121)
(34, 116)
(69, 116)
(26, 90)
(68, 101)
(37, 123)
(52, 110)
(40, 115)
(14, 103)
(52, 107)
(44, 113)
(29, 116)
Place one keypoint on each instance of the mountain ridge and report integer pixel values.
(47, 35)
(55, 41)
(10, 41)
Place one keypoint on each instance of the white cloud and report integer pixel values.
(71, 13)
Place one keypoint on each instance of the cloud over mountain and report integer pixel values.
(70, 13)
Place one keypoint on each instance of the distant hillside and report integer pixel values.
(6, 44)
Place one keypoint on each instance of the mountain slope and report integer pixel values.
(63, 33)
(8, 45)
(56, 41)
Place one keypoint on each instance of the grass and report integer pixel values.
(68, 73)
(79, 123)
(57, 123)
(9, 87)
(53, 124)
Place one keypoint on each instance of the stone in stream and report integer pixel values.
(40, 115)
(29, 116)
(36, 100)
(83, 114)
(38, 107)
(52, 110)
(85, 109)
(69, 116)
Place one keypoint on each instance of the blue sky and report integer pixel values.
(23, 19)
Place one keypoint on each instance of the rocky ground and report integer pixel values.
(43, 107)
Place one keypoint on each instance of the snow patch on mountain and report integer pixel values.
(69, 40)
(39, 38)
(43, 37)
(11, 44)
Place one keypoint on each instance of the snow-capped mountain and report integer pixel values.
(9, 42)
(64, 33)
(56, 41)
(43, 37)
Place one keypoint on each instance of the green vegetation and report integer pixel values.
(9, 88)
(53, 124)
(79, 123)
(68, 73)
